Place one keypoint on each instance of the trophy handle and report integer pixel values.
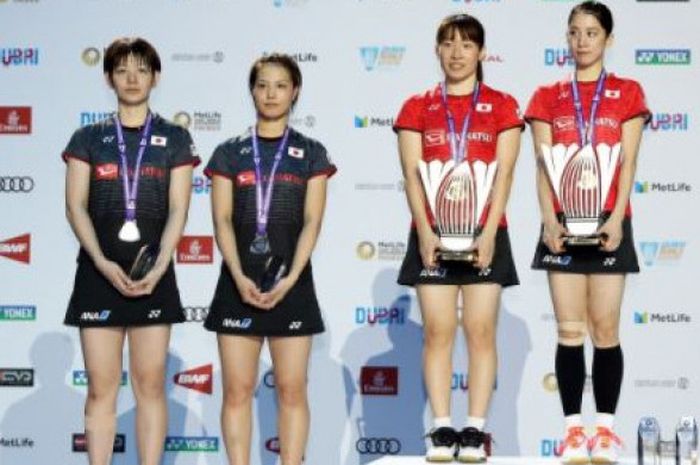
(431, 175)
(608, 160)
(555, 160)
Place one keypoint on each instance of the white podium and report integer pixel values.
(406, 460)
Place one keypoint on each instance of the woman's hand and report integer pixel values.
(428, 245)
(248, 290)
(271, 298)
(145, 285)
(116, 277)
(485, 245)
(553, 237)
(610, 235)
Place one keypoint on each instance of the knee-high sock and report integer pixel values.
(608, 366)
(570, 366)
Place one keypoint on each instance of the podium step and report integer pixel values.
(407, 460)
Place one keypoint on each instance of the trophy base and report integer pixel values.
(588, 240)
(469, 256)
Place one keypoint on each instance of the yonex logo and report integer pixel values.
(609, 261)
(294, 325)
(153, 314)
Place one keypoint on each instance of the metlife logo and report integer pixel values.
(363, 121)
(666, 318)
(646, 187)
(669, 252)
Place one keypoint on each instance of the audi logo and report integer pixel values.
(384, 446)
(16, 184)
(196, 313)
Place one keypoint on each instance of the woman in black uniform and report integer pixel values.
(268, 197)
(128, 185)
(490, 136)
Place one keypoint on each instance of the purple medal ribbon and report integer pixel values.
(131, 190)
(459, 153)
(263, 200)
(586, 132)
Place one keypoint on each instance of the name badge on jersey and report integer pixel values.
(159, 141)
(612, 93)
(434, 137)
(484, 107)
(295, 152)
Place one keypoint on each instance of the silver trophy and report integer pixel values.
(649, 442)
(581, 179)
(687, 441)
(457, 195)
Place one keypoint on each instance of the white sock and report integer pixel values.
(605, 420)
(573, 421)
(442, 422)
(476, 422)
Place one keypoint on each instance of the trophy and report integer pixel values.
(457, 195)
(687, 441)
(581, 179)
(648, 442)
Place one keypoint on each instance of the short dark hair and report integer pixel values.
(120, 49)
(469, 28)
(597, 9)
(280, 59)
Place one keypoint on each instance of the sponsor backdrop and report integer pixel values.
(367, 398)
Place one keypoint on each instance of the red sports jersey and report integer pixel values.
(622, 100)
(495, 112)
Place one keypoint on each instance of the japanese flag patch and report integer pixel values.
(159, 141)
(295, 152)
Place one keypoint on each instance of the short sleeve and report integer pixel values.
(636, 104)
(319, 162)
(539, 107)
(411, 116)
(78, 146)
(221, 162)
(509, 115)
(185, 152)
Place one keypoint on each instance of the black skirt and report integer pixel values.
(454, 272)
(590, 259)
(96, 303)
(297, 314)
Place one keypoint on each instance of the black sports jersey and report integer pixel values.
(298, 313)
(303, 158)
(95, 302)
(169, 146)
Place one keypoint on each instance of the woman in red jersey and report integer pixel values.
(598, 115)
(459, 120)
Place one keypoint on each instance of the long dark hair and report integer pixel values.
(469, 28)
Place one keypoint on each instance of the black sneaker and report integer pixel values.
(471, 446)
(443, 445)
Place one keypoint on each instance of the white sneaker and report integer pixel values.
(443, 445)
(574, 449)
(471, 446)
(604, 446)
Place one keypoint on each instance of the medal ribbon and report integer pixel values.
(264, 199)
(131, 189)
(459, 152)
(586, 132)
